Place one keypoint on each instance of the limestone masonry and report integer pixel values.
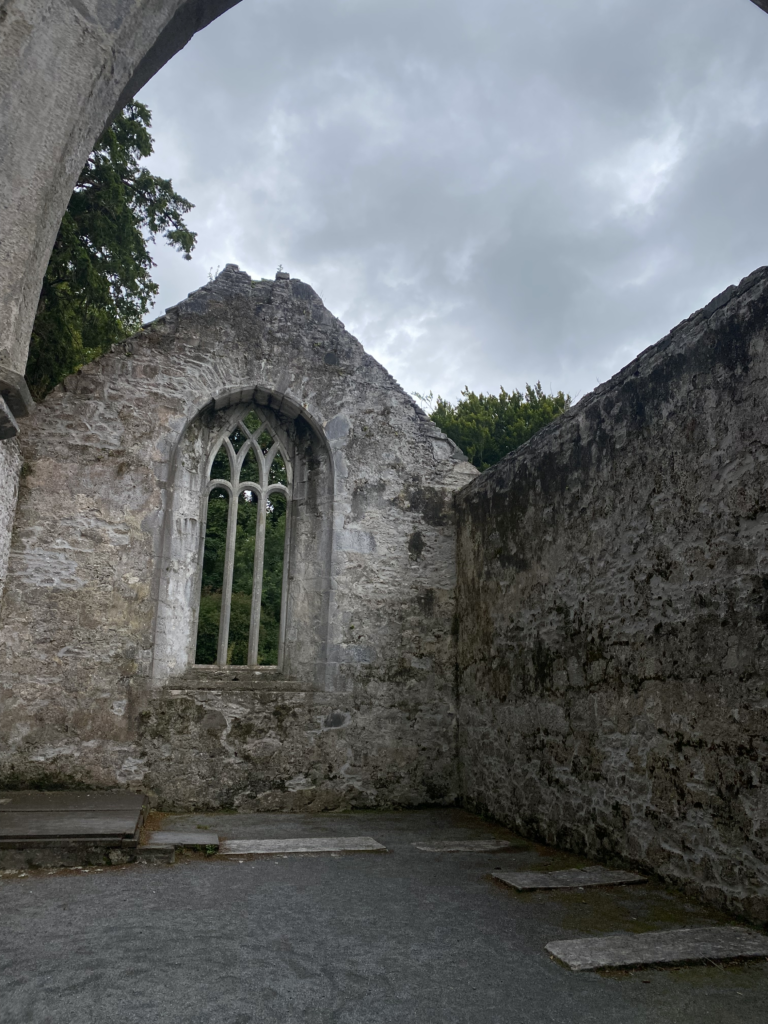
(97, 685)
(575, 641)
(613, 615)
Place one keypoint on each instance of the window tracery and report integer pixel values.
(244, 548)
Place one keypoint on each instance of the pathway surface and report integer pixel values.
(363, 938)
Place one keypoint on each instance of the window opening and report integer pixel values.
(252, 422)
(220, 470)
(241, 594)
(277, 471)
(238, 438)
(214, 560)
(250, 469)
(272, 585)
(242, 578)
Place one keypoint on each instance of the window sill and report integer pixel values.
(209, 677)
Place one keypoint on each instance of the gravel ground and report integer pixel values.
(404, 936)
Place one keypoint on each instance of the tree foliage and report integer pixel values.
(98, 284)
(488, 427)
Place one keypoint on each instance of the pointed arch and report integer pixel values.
(296, 469)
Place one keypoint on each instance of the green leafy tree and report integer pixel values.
(488, 427)
(98, 284)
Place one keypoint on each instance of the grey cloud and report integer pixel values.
(487, 193)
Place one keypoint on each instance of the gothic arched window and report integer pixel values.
(241, 594)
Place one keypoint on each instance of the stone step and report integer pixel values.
(200, 839)
(156, 853)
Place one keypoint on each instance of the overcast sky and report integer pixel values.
(486, 193)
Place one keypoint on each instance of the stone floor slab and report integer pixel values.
(681, 946)
(36, 825)
(572, 878)
(335, 844)
(36, 801)
(464, 846)
(177, 839)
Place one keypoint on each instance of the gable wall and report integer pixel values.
(370, 719)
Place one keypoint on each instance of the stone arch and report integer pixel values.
(309, 549)
(66, 68)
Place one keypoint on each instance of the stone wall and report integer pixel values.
(10, 468)
(96, 681)
(613, 615)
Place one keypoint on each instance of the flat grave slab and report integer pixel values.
(465, 846)
(68, 824)
(681, 946)
(198, 838)
(63, 828)
(572, 878)
(35, 801)
(240, 847)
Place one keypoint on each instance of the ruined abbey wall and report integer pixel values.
(613, 615)
(608, 585)
(96, 682)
